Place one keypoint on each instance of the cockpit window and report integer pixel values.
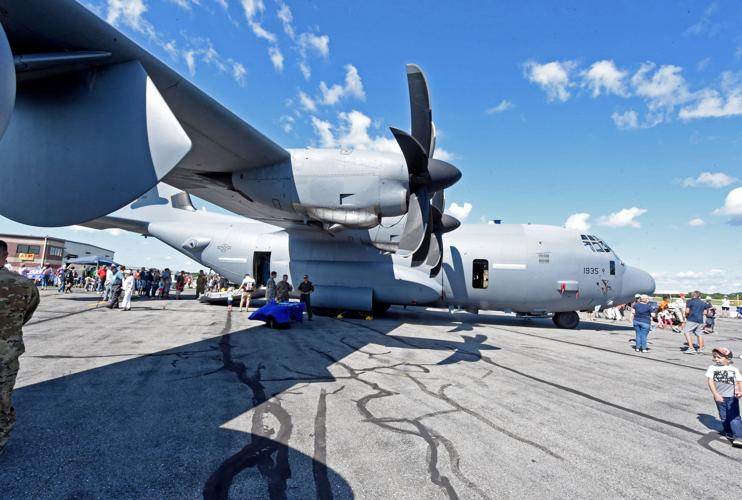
(594, 243)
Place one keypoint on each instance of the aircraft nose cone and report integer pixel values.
(442, 174)
(637, 281)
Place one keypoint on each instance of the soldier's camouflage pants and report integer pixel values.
(8, 372)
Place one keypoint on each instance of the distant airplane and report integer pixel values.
(82, 105)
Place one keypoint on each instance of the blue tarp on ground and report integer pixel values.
(282, 312)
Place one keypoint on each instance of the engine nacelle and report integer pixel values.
(351, 188)
(7, 82)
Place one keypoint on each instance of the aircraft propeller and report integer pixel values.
(427, 176)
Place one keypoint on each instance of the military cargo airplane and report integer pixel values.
(79, 99)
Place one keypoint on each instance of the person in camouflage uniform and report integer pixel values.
(18, 301)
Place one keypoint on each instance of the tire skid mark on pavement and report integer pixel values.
(576, 392)
(259, 452)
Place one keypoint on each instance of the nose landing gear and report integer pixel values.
(568, 320)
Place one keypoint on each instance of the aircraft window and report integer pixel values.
(613, 267)
(594, 243)
(480, 276)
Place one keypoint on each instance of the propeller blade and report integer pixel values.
(414, 154)
(449, 223)
(416, 224)
(439, 201)
(419, 257)
(422, 124)
(435, 260)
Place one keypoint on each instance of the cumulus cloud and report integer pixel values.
(626, 120)
(504, 105)
(663, 89)
(461, 212)
(324, 130)
(712, 280)
(186, 4)
(319, 44)
(732, 206)
(252, 9)
(276, 58)
(238, 73)
(130, 13)
(553, 77)
(305, 44)
(306, 102)
(696, 222)
(353, 86)
(578, 222)
(623, 218)
(604, 77)
(709, 179)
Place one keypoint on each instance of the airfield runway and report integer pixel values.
(178, 399)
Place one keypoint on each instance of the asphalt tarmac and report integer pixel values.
(178, 399)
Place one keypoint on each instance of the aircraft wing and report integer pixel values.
(109, 121)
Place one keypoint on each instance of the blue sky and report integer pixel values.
(621, 116)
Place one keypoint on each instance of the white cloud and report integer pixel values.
(626, 120)
(238, 73)
(710, 179)
(186, 4)
(663, 90)
(732, 206)
(353, 87)
(287, 123)
(223, 3)
(319, 44)
(504, 105)
(552, 77)
(707, 280)
(578, 222)
(172, 49)
(306, 102)
(253, 8)
(604, 77)
(276, 58)
(712, 103)
(324, 131)
(286, 17)
(461, 212)
(305, 69)
(696, 222)
(130, 13)
(190, 60)
(623, 218)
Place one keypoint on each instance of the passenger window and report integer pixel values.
(613, 267)
(480, 275)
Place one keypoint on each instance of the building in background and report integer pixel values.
(75, 249)
(38, 251)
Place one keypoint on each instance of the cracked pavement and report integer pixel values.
(177, 399)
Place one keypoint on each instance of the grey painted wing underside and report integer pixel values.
(222, 142)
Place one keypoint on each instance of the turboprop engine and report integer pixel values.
(7, 82)
(355, 189)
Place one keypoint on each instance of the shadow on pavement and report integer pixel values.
(151, 427)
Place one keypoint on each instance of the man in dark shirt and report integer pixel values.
(694, 311)
(306, 288)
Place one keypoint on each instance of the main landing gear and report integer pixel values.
(568, 320)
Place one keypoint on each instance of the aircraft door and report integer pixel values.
(480, 275)
(261, 263)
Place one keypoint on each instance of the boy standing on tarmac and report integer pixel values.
(725, 384)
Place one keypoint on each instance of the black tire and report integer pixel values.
(567, 320)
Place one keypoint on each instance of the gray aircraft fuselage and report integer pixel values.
(531, 269)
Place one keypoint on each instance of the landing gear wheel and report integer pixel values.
(568, 320)
(379, 308)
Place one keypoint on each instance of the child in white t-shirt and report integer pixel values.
(230, 298)
(725, 384)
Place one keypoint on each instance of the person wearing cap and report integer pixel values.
(116, 284)
(725, 384)
(128, 290)
(694, 312)
(306, 288)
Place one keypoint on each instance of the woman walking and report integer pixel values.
(642, 323)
